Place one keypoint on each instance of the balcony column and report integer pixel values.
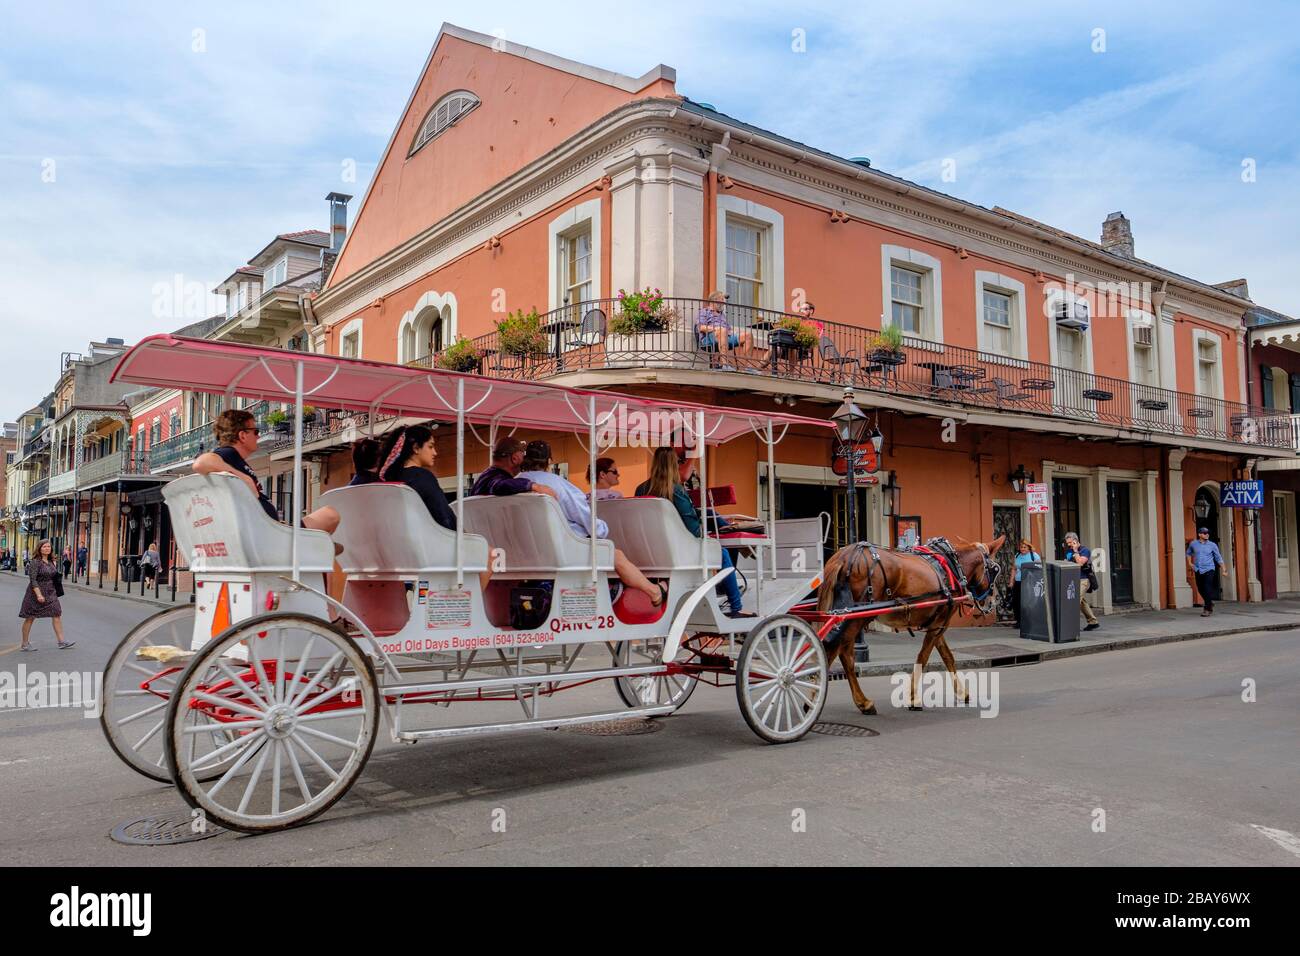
(1174, 529)
(656, 220)
(1151, 538)
(1100, 531)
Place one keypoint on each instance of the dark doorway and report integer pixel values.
(799, 500)
(1006, 521)
(1119, 519)
(1065, 510)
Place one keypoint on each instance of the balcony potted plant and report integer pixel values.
(520, 334)
(278, 420)
(644, 323)
(886, 347)
(793, 332)
(308, 414)
(461, 356)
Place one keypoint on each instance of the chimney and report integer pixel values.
(1117, 235)
(338, 219)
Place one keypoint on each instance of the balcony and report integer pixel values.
(115, 466)
(64, 481)
(38, 489)
(183, 448)
(581, 338)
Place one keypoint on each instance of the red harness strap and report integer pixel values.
(943, 563)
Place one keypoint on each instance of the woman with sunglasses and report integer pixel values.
(606, 479)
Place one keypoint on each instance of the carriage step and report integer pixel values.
(410, 736)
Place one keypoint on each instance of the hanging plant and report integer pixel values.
(640, 312)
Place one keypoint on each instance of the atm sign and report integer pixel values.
(1242, 494)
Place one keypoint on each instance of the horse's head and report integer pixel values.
(982, 571)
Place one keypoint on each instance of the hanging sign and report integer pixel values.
(1242, 494)
(864, 454)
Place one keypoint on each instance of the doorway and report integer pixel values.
(1065, 513)
(1120, 525)
(1008, 520)
(1284, 533)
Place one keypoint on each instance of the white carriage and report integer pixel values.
(262, 700)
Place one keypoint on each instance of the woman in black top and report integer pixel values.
(365, 461)
(408, 455)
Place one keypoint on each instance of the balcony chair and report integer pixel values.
(832, 357)
(590, 331)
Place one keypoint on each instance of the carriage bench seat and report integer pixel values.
(220, 526)
(533, 534)
(385, 528)
(650, 532)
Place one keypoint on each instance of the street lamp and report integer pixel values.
(851, 424)
(1019, 478)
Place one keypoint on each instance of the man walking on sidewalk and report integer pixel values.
(1076, 552)
(1204, 560)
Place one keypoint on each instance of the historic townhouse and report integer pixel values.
(989, 348)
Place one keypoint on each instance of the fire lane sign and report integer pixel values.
(1036, 495)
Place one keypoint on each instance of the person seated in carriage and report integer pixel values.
(365, 462)
(237, 435)
(502, 477)
(408, 454)
(669, 471)
(577, 511)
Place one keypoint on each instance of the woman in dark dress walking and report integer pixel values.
(39, 600)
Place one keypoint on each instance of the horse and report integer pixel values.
(862, 573)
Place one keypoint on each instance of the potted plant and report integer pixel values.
(886, 347)
(461, 356)
(520, 334)
(309, 413)
(278, 421)
(645, 324)
(803, 335)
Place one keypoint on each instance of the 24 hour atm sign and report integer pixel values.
(1241, 494)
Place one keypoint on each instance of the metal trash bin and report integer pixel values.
(1063, 578)
(130, 567)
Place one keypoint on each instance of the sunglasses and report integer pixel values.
(255, 431)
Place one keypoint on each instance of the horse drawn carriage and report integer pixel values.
(262, 700)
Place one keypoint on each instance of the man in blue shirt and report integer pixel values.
(1204, 560)
(1082, 556)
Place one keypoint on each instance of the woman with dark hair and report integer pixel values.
(40, 599)
(408, 455)
(365, 461)
(668, 472)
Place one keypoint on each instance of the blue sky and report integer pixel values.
(128, 157)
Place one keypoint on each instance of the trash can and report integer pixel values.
(1063, 579)
(130, 565)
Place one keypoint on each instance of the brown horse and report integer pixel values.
(903, 576)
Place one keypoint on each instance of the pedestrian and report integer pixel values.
(1082, 556)
(40, 599)
(606, 479)
(1204, 560)
(67, 562)
(82, 554)
(150, 562)
(1026, 555)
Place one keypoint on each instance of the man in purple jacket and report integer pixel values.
(500, 479)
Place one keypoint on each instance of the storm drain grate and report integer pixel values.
(630, 727)
(162, 831)
(1000, 655)
(843, 730)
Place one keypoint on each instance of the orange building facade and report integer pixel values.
(519, 182)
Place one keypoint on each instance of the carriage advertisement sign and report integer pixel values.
(1241, 494)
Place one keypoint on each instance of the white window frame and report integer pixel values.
(1136, 318)
(351, 327)
(771, 226)
(424, 136)
(444, 304)
(1005, 285)
(931, 289)
(276, 273)
(1054, 296)
(566, 224)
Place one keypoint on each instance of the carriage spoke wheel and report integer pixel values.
(134, 715)
(652, 690)
(781, 679)
(302, 712)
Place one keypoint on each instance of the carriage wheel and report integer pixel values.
(303, 710)
(652, 690)
(133, 718)
(781, 679)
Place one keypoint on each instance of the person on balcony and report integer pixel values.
(808, 310)
(503, 477)
(577, 511)
(668, 474)
(712, 327)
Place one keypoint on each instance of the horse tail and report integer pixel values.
(830, 581)
(836, 589)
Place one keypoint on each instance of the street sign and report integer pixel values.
(1036, 493)
(1242, 494)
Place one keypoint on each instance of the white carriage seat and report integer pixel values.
(220, 526)
(532, 533)
(650, 532)
(385, 527)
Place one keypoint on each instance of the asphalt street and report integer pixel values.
(1159, 738)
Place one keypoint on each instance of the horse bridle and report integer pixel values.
(991, 572)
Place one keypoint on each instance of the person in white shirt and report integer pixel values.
(576, 507)
(606, 479)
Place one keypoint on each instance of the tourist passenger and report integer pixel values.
(365, 462)
(1082, 556)
(408, 454)
(606, 479)
(501, 478)
(1205, 561)
(577, 510)
(668, 472)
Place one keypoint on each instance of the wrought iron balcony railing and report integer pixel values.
(38, 489)
(604, 334)
(110, 467)
(188, 445)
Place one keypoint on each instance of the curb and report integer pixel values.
(122, 596)
(1051, 651)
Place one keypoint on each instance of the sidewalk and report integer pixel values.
(1001, 646)
(163, 599)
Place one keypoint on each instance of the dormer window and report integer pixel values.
(276, 274)
(445, 113)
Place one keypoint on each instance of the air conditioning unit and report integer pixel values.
(1073, 314)
(1142, 335)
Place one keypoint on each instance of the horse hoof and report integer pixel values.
(868, 711)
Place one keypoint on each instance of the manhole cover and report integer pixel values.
(162, 831)
(843, 730)
(617, 728)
